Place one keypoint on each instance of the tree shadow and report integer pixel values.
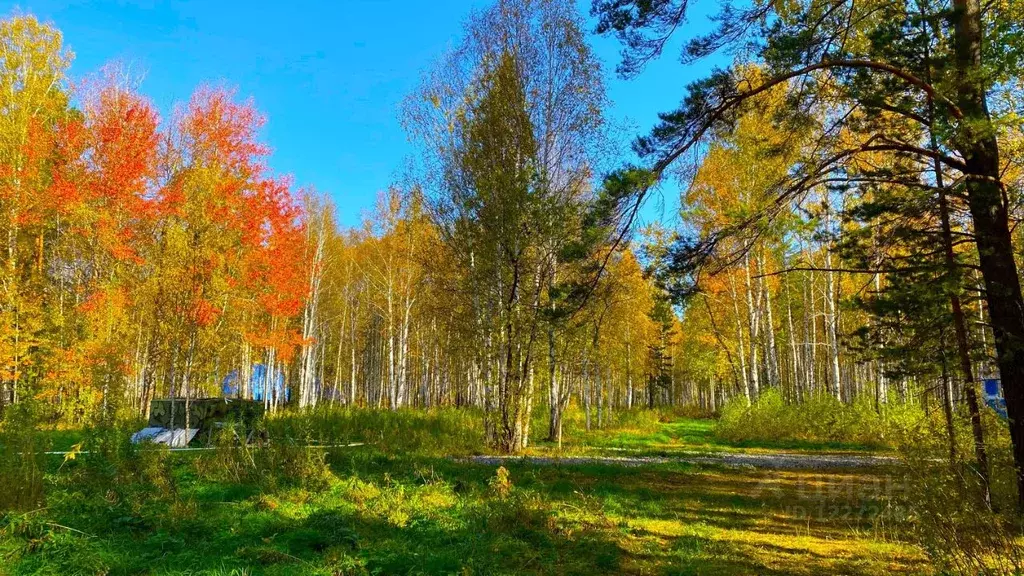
(389, 514)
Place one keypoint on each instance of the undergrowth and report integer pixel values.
(962, 531)
(449, 431)
(302, 501)
(821, 418)
(947, 512)
(22, 462)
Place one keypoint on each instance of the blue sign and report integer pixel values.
(991, 386)
(994, 396)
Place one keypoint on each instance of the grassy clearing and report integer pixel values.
(409, 509)
(645, 433)
(382, 514)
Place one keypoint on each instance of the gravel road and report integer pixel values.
(779, 461)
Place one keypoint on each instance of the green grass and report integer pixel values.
(364, 510)
(689, 435)
(63, 439)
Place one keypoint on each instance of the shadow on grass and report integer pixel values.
(728, 521)
(415, 515)
(382, 517)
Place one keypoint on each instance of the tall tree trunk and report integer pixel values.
(524, 434)
(629, 367)
(310, 313)
(794, 350)
(772, 359)
(960, 330)
(881, 386)
(810, 334)
(753, 328)
(588, 395)
(986, 200)
(554, 392)
(711, 393)
(832, 321)
(947, 404)
(741, 349)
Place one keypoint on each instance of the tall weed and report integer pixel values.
(441, 431)
(129, 477)
(267, 463)
(22, 460)
(574, 421)
(821, 419)
(947, 512)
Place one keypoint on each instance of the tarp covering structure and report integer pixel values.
(174, 438)
(258, 385)
(205, 417)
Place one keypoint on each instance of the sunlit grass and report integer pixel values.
(686, 435)
(365, 510)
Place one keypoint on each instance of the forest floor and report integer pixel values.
(382, 512)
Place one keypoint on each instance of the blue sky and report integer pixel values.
(329, 76)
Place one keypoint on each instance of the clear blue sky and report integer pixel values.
(328, 75)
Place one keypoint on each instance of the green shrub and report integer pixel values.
(229, 461)
(690, 412)
(22, 460)
(283, 460)
(820, 419)
(947, 514)
(113, 477)
(44, 547)
(293, 462)
(295, 447)
(638, 418)
(441, 431)
(574, 421)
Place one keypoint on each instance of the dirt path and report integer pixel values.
(779, 461)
